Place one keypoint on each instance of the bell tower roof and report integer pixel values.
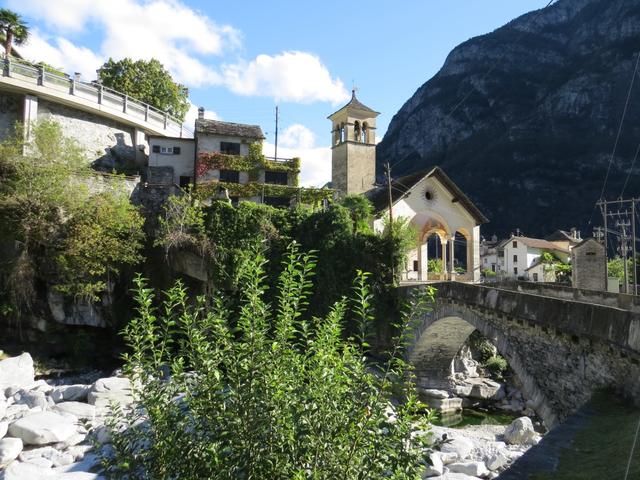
(356, 105)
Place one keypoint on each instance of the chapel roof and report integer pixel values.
(400, 187)
(216, 127)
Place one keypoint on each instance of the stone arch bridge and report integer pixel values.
(561, 349)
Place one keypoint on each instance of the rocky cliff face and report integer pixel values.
(543, 97)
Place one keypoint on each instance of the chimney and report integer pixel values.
(574, 233)
(76, 76)
(201, 113)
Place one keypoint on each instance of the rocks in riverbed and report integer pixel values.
(46, 431)
(475, 469)
(17, 372)
(10, 448)
(521, 432)
(42, 428)
(77, 409)
(460, 446)
(70, 393)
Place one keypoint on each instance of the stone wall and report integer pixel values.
(11, 105)
(589, 265)
(105, 141)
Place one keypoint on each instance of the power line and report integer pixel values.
(624, 113)
(635, 157)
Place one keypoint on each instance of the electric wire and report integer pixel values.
(633, 163)
(624, 114)
(633, 447)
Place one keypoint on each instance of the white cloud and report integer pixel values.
(164, 29)
(299, 141)
(289, 76)
(60, 53)
(181, 38)
(192, 114)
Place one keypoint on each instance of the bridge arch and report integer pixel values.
(441, 335)
(562, 350)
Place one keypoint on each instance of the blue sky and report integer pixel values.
(240, 59)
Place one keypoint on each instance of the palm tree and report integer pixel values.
(14, 28)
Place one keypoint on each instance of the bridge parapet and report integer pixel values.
(37, 80)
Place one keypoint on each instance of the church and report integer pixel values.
(446, 222)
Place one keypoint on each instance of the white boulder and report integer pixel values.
(435, 468)
(521, 432)
(30, 398)
(42, 428)
(70, 393)
(81, 410)
(496, 461)
(10, 448)
(475, 469)
(111, 384)
(461, 446)
(16, 371)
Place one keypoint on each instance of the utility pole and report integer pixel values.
(624, 249)
(633, 245)
(388, 171)
(276, 149)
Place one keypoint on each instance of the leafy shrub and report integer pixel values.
(261, 391)
(496, 366)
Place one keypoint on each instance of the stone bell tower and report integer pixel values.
(353, 147)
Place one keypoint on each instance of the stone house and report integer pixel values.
(589, 262)
(225, 161)
(491, 257)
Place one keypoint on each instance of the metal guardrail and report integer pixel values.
(62, 83)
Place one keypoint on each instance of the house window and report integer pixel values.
(277, 201)
(166, 150)
(185, 181)
(485, 261)
(515, 270)
(535, 277)
(415, 265)
(230, 148)
(515, 244)
(276, 178)
(230, 176)
(515, 258)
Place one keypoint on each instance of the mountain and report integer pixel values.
(524, 119)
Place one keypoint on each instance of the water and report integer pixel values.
(473, 417)
(593, 444)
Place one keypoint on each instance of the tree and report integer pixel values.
(267, 391)
(361, 212)
(72, 239)
(147, 81)
(14, 28)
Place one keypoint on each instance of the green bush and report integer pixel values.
(263, 391)
(496, 366)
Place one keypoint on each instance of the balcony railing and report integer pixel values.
(62, 83)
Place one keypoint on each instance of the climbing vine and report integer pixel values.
(256, 189)
(252, 163)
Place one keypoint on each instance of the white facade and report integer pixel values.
(162, 153)
(208, 142)
(433, 210)
(522, 254)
